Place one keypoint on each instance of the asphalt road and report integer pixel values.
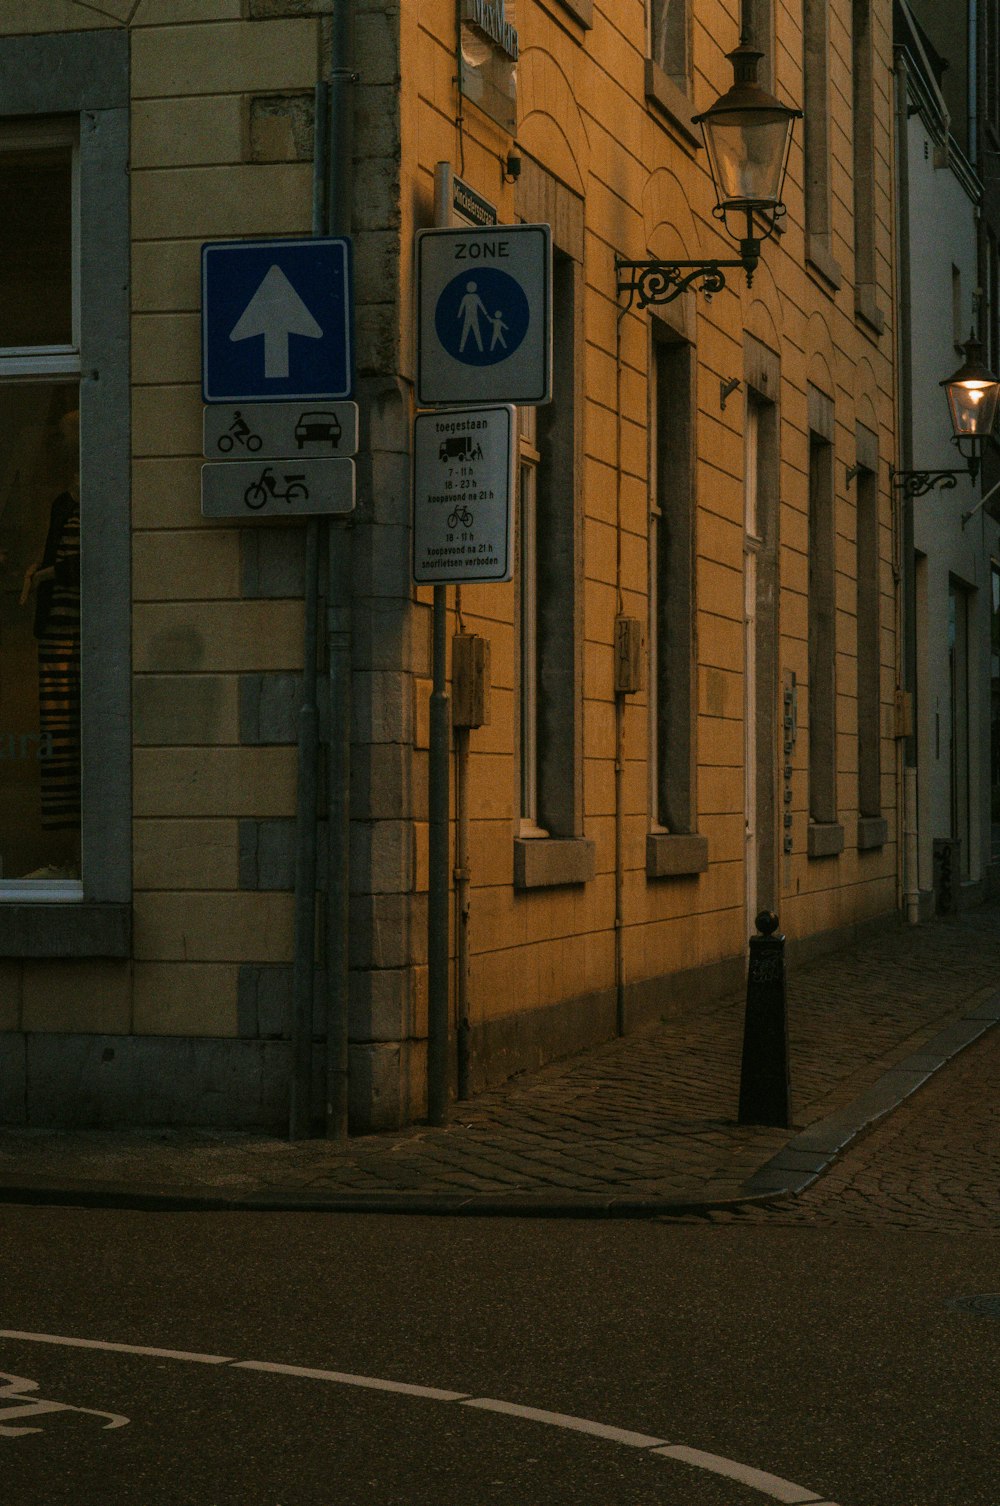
(817, 1344)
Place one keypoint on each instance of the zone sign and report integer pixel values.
(484, 315)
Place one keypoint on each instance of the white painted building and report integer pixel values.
(948, 542)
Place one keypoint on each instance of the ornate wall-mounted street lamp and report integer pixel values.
(747, 135)
(973, 394)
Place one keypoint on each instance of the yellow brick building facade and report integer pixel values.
(620, 843)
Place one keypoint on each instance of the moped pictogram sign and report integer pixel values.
(484, 315)
(277, 488)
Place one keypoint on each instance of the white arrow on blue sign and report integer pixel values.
(276, 318)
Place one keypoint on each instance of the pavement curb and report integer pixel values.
(806, 1158)
(35, 1192)
(811, 1153)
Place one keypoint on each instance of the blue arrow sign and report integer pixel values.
(277, 320)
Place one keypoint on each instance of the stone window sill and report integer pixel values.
(670, 855)
(671, 100)
(826, 839)
(85, 929)
(867, 310)
(582, 11)
(820, 259)
(548, 862)
(873, 832)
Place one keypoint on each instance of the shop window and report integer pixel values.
(65, 771)
(40, 516)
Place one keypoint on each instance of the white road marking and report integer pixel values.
(163, 1354)
(562, 1420)
(19, 1386)
(785, 1491)
(757, 1479)
(372, 1383)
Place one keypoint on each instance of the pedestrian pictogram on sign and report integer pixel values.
(483, 319)
(276, 320)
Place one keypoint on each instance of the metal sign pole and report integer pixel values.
(439, 799)
(339, 636)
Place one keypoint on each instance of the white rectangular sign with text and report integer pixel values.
(463, 495)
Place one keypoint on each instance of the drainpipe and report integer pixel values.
(908, 613)
(619, 708)
(338, 608)
(303, 966)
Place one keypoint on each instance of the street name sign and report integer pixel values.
(276, 319)
(277, 489)
(484, 315)
(469, 207)
(278, 430)
(463, 495)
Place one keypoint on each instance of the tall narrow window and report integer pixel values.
(991, 51)
(816, 124)
(672, 588)
(995, 711)
(551, 793)
(528, 619)
(957, 313)
(993, 301)
(558, 719)
(668, 24)
(959, 602)
(869, 645)
(822, 630)
(863, 100)
(760, 633)
(758, 26)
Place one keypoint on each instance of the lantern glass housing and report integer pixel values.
(748, 135)
(973, 393)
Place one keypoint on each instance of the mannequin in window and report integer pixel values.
(55, 580)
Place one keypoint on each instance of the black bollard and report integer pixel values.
(765, 1090)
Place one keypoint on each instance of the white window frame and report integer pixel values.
(46, 363)
(528, 459)
(50, 79)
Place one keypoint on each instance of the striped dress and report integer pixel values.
(59, 684)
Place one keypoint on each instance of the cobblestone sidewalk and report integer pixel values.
(643, 1124)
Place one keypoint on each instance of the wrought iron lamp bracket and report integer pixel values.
(652, 282)
(918, 483)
